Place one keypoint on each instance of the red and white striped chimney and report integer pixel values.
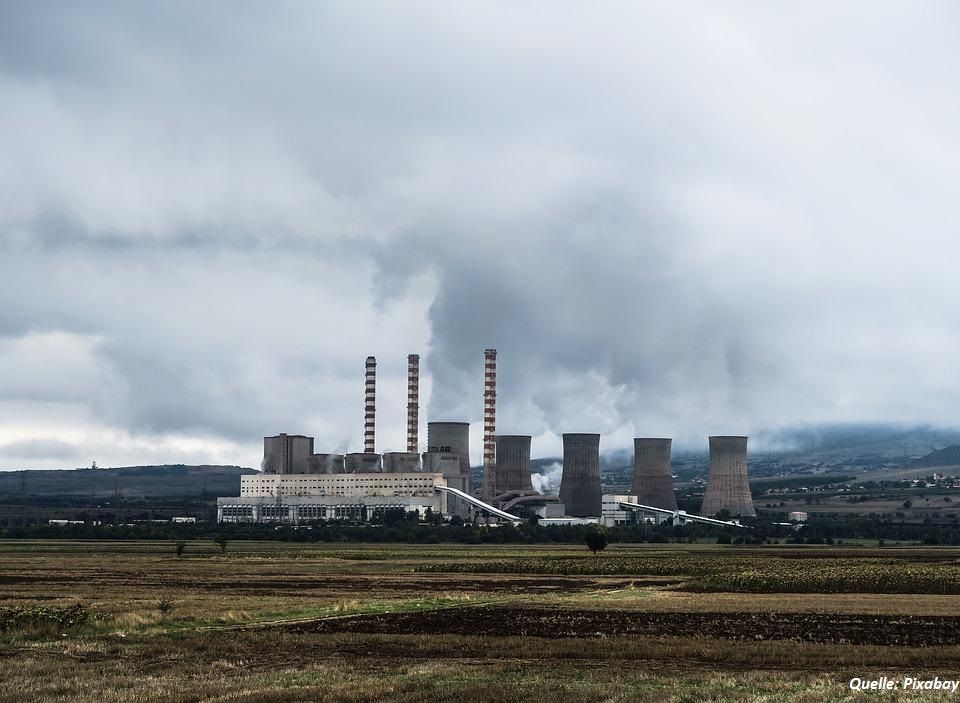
(489, 423)
(413, 402)
(370, 407)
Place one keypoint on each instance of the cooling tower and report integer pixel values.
(401, 463)
(452, 438)
(445, 439)
(580, 483)
(652, 473)
(513, 463)
(325, 464)
(727, 487)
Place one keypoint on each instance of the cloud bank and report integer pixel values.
(670, 221)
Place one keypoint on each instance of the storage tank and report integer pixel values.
(513, 463)
(653, 474)
(580, 482)
(727, 485)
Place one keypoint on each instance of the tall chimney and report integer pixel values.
(413, 402)
(370, 407)
(489, 424)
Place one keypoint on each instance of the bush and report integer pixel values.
(596, 539)
(42, 618)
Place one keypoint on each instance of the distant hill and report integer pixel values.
(126, 481)
(948, 456)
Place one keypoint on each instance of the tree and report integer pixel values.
(221, 541)
(596, 539)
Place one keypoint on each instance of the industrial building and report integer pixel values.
(304, 497)
(625, 510)
(286, 454)
(727, 486)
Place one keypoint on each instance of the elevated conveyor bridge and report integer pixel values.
(478, 503)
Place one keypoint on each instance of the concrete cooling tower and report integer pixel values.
(452, 438)
(513, 463)
(727, 486)
(652, 473)
(580, 483)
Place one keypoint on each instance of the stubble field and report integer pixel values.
(283, 622)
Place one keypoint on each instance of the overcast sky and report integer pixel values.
(670, 218)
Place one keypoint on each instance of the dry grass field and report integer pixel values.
(284, 622)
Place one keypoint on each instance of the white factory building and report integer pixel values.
(295, 498)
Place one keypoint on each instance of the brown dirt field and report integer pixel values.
(885, 630)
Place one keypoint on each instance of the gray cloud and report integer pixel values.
(670, 221)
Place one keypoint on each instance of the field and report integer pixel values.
(131, 621)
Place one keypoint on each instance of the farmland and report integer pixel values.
(132, 621)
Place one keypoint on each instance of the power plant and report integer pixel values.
(580, 483)
(727, 486)
(652, 473)
(297, 484)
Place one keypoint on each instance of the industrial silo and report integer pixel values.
(325, 464)
(362, 463)
(580, 483)
(652, 473)
(401, 463)
(727, 486)
(513, 463)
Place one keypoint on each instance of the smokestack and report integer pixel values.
(652, 474)
(370, 407)
(513, 463)
(413, 403)
(727, 486)
(489, 424)
(580, 484)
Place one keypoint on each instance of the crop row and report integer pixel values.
(744, 574)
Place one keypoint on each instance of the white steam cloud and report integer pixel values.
(548, 482)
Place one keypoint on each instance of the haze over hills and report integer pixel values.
(796, 450)
(126, 481)
(948, 456)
